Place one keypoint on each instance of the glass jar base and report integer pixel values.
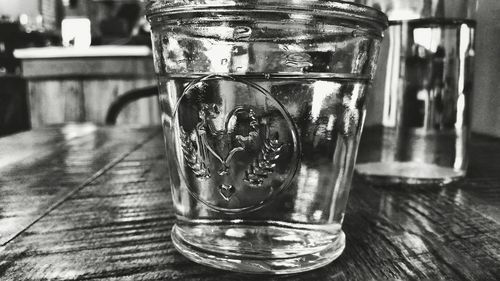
(262, 264)
(410, 173)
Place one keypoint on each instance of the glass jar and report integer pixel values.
(262, 108)
(418, 123)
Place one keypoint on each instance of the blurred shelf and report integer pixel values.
(93, 51)
(78, 85)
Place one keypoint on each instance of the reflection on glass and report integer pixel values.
(428, 79)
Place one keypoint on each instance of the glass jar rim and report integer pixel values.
(328, 8)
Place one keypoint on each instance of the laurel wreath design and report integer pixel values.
(195, 150)
(191, 155)
(264, 164)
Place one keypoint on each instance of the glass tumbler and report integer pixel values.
(262, 109)
(417, 128)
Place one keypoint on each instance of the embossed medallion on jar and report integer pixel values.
(238, 146)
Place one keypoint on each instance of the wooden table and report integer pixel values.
(79, 84)
(82, 202)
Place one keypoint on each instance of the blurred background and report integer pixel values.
(68, 60)
(485, 100)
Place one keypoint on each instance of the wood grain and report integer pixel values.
(117, 226)
(99, 94)
(74, 110)
(88, 67)
(47, 103)
(40, 172)
(81, 89)
(142, 112)
(63, 100)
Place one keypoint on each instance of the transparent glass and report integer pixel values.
(417, 129)
(262, 108)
